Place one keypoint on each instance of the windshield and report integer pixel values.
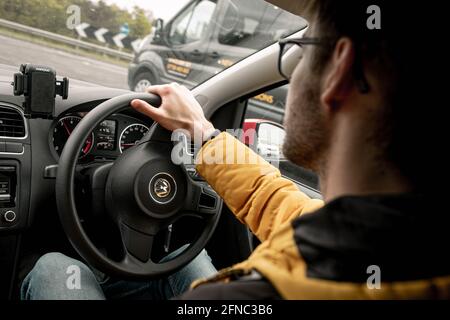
(134, 44)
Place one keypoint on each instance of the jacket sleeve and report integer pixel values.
(252, 188)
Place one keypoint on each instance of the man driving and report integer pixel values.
(355, 115)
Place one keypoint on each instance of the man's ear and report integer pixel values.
(338, 77)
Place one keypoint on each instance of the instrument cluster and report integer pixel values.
(108, 140)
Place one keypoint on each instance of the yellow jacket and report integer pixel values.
(268, 203)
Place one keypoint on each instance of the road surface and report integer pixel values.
(15, 52)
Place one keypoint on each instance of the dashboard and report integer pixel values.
(30, 147)
(109, 139)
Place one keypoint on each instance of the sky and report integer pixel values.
(164, 9)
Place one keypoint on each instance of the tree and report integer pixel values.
(140, 25)
(50, 15)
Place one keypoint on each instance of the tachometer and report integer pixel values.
(131, 136)
(62, 132)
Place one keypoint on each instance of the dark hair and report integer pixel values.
(405, 55)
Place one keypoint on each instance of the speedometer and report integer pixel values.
(131, 136)
(62, 131)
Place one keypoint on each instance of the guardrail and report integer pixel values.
(66, 40)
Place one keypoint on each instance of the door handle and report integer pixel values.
(196, 52)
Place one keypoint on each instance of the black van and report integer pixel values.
(207, 36)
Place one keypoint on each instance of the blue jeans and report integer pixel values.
(50, 280)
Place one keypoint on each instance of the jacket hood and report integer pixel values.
(405, 236)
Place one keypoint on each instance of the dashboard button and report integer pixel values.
(12, 147)
(9, 216)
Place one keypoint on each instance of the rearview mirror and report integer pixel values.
(265, 138)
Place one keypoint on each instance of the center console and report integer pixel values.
(9, 204)
(15, 177)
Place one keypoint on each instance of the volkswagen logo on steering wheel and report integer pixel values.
(162, 188)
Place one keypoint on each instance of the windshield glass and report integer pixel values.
(133, 44)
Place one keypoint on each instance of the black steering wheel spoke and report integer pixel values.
(137, 243)
(94, 177)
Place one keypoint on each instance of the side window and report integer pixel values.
(265, 113)
(192, 24)
(244, 26)
(179, 26)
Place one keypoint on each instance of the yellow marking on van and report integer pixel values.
(176, 68)
(225, 62)
(179, 62)
(264, 97)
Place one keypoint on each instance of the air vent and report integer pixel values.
(12, 123)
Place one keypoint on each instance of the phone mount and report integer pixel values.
(40, 87)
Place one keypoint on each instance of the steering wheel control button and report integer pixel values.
(9, 216)
(162, 188)
(193, 173)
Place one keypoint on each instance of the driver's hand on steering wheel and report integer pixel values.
(178, 110)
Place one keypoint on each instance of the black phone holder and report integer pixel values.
(40, 87)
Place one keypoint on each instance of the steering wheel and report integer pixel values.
(144, 192)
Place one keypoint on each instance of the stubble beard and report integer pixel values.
(306, 134)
